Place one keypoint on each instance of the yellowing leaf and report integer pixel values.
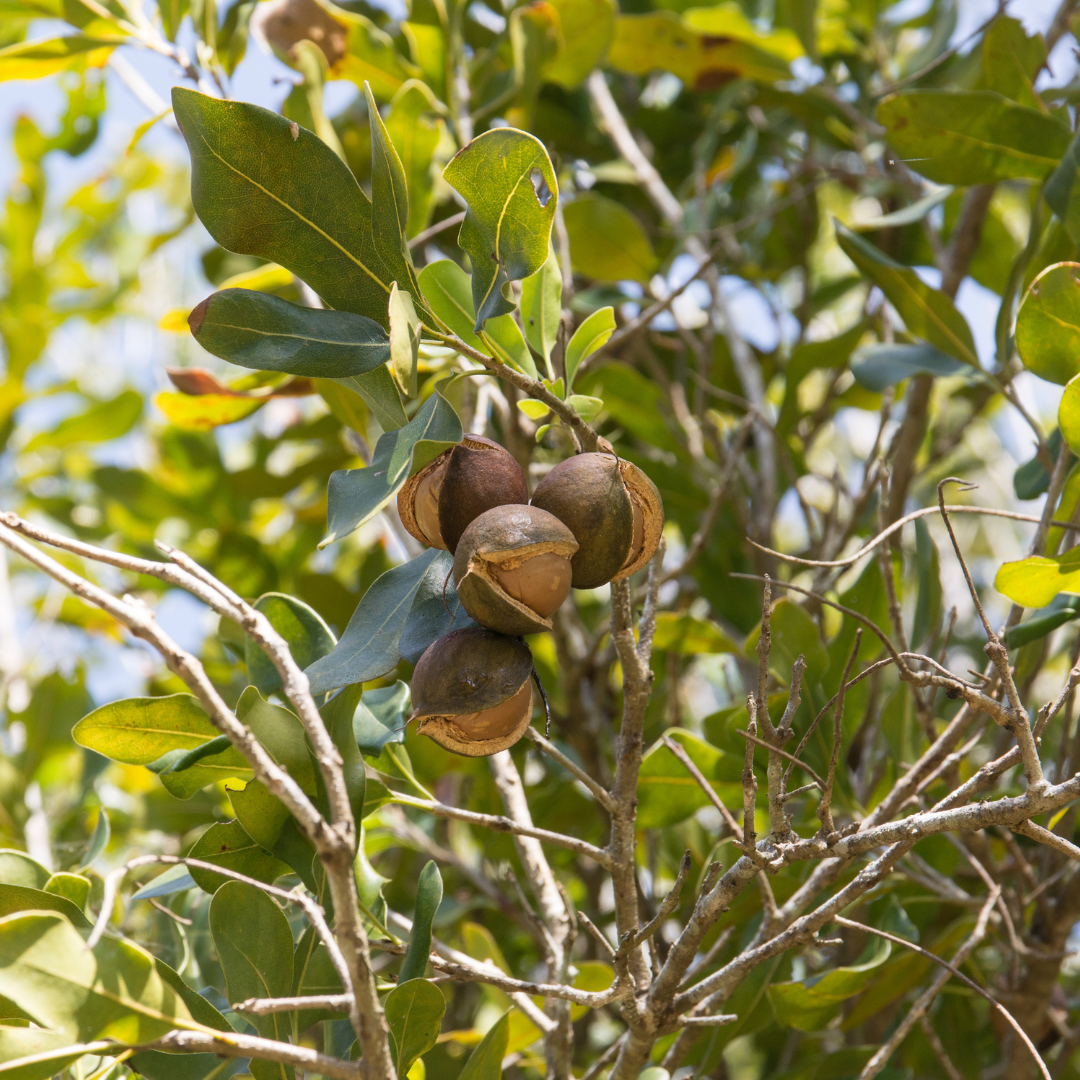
(1034, 582)
(205, 412)
(175, 321)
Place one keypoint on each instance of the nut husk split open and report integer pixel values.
(471, 691)
(512, 568)
(439, 502)
(588, 495)
(648, 510)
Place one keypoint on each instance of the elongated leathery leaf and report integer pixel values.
(506, 178)
(436, 610)
(357, 495)
(255, 946)
(485, 1062)
(369, 646)
(541, 308)
(972, 137)
(265, 187)
(262, 331)
(112, 991)
(314, 974)
(878, 366)
(338, 715)
(414, 1012)
(380, 718)
(928, 312)
(591, 335)
(1048, 326)
(429, 890)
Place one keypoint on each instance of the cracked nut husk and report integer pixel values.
(512, 568)
(472, 693)
(438, 503)
(612, 508)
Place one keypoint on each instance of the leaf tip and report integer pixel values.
(198, 314)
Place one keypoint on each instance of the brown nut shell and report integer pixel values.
(512, 568)
(471, 691)
(648, 510)
(438, 503)
(588, 495)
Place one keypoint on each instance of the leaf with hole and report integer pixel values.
(355, 496)
(1048, 326)
(928, 312)
(262, 331)
(509, 186)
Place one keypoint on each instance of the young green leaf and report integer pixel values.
(262, 331)
(255, 948)
(112, 991)
(1035, 581)
(99, 839)
(369, 646)
(588, 337)
(485, 1062)
(928, 312)
(541, 308)
(404, 339)
(429, 891)
(261, 190)
(304, 631)
(1048, 325)
(588, 408)
(506, 179)
(972, 137)
(414, 1012)
(357, 495)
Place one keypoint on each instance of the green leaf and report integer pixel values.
(15, 898)
(35, 1054)
(260, 330)
(175, 879)
(1011, 60)
(404, 339)
(380, 394)
(1035, 581)
(879, 366)
(113, 991)
(372, 57)
(681, 632)
(429, 891)
(313, 973)
(73, 887)
(503, 337)
(369, 646)
(339, 717)
(380, 718)
(1048, 325)
(591, 335)
(255, 948)
(282, 735)
(972, 137)
(485, 1062)
(261, 190)
(355, 496)
(414, 1012)
(928, 312)
(436, 610)
(1032, 479)
(810, 1005)
(17, 868)
(138, 731)
(227, 845)
(541, 304)
(607, 241)
(794, 634)
(36, 59)
(415, 129)
(308, 637)
(1069, 414)
(703, 61)
(928, 603)
(99, 839)
(100, 423)
(1062, 609)
(509, 186)
(586, 28)
(668, 794)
